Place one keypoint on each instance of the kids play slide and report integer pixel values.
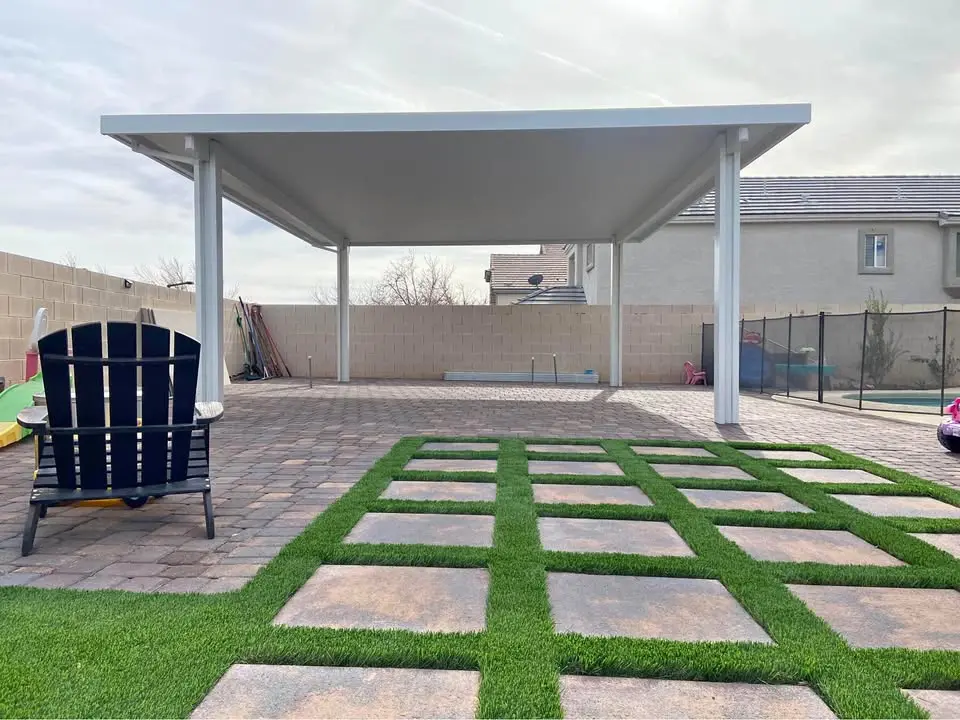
(13, 400)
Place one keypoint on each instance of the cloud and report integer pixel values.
(883, 76)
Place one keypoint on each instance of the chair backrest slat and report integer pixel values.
(184, 396)
(122, 343)
(56, 388)
(155, 403)
(88, 389)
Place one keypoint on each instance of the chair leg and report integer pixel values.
(30, 528)
(208, 514)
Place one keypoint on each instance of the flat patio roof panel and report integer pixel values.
(466, 178)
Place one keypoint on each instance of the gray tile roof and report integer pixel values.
(561, 295)
(511, 272)
(856, 195)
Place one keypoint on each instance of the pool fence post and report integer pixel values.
(943, 360)
(820, 356)
(532, 361)
(863, 356)
(789, 348)
(763, 350)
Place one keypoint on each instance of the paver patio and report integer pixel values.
(603, 697)
(948, 542)
(901, 506)
(438, 593)
(571, 467)
(460, 446)
(451, 465)
(560, 448)
(798, 455)
(835, 475)
(941, 704)
(440, 490)
(672, 451)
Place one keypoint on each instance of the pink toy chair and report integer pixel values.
(691, 376)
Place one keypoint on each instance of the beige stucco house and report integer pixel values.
(826, 240)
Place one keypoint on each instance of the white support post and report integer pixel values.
(578, 279)
(208, 226)
(343, 313)
(726, 283)
(616, 320)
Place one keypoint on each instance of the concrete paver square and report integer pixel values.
(835, 475)
(451, 465)
(875, 617)
(611, 536)
(743, 500)
(948, 542)
(704, 472)
(674, 451)
(799, 455)
(900, 506)
(573, 467)
(833, 547)
(460, 446)
(589, 494)
(423, 529)
(422, 599)
(440, 490)
(683, 609)
(941, 704)
(294, 691)
(607, 697)
(582, 449)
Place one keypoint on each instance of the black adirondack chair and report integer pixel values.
(97, 448)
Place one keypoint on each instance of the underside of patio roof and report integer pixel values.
(557, 176)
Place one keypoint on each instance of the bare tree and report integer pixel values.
(70, 260)
(167, 271)
(407, 281)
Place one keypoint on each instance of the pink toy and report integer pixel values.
(948, 433)
(692, 376)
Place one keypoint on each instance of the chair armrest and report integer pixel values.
(33, 418)
(206, 413)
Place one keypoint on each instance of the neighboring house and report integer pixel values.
(509, 275)
(803, 239)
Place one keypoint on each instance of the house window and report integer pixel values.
(876, 252)
(590, 255)
(956, 253)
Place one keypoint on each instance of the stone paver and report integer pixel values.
(941, 704)
(589, 494)
(900, 506)
(611, 536)
(874, 617)
(573, 467)
(744, 500)
(461, 446)
(833, 547)
(703, 472)
(649, 607)
(607, 697)
(579, 449)
(340, 430)
(440, 490)
(835, 475)
(292, 691)
(799, 455)
(672, 451)
(948, 542)
(423, 529)
(422, 599)
(451, 465)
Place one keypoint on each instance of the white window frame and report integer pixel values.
(591, 256)
(872, 235)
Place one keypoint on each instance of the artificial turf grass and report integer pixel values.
(72, 675)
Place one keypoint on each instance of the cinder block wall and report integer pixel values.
(76, 295)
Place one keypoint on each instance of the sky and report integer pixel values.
(883, 77)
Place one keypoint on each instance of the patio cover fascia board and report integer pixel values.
(583, 168)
